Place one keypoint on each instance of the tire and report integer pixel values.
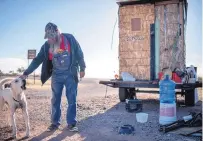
(123, 94)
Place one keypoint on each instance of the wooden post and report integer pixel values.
(34, 77)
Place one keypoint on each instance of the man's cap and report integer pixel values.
(50, 28)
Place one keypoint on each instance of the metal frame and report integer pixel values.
(132, 86)
(146, 84)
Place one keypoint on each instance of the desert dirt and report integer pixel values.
(99, 115)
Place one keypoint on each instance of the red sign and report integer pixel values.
(31, 54)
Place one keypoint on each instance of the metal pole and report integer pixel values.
(27, 66)
(34, 77)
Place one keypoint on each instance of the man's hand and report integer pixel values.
(82, 74)
(23, 76)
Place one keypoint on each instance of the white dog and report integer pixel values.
(15, 98)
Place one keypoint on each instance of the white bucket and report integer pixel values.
(142, 117)
(167, 113)
(127, 76)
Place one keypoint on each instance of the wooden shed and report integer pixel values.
(151, 36)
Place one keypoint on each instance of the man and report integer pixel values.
(61, 58)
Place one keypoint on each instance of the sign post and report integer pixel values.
(31, 55)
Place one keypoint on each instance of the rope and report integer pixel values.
(113, 34)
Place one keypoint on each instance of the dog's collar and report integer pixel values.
(20, 103)
(15, 100)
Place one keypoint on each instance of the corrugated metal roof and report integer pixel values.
(133, 2)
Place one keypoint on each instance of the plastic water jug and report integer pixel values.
(167, 113)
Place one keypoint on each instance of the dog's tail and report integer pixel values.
(4, 81)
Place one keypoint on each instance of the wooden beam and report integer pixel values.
(133, 2)
(167, 2)
(158, 2)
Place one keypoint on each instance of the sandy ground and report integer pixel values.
(99, 117)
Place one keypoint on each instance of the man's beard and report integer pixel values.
(53, 41)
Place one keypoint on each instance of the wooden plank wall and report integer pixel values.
(134, 46)
(172, 48)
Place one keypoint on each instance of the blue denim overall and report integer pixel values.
(61, 77)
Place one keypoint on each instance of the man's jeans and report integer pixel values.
(58, 82)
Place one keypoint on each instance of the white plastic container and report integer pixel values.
(127, 76)
(142, 117)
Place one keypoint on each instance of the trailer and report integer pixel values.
(151, 40)
(129, 89)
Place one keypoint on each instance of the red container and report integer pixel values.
(160, 75)
(175, 77)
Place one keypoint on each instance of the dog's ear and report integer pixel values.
(8, 85)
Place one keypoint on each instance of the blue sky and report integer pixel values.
(194, 34)
(91, 22)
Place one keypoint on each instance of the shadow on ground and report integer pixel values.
(104, 126)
